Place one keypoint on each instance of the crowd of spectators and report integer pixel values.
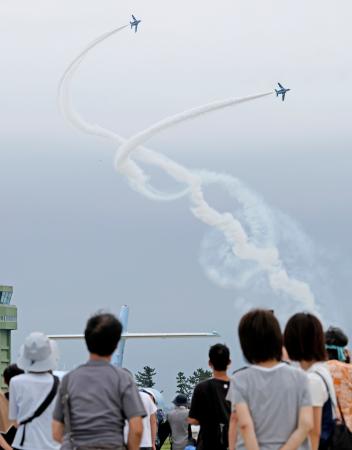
(295, 392)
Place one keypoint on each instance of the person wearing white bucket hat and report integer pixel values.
(32, 394)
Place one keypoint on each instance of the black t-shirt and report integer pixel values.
(210, 408)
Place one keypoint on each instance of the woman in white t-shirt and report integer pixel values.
(38, 358)
(304, 341)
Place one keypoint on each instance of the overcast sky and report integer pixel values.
(75, 238)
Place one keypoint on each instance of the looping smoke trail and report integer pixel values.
(267, 258)
(148, 156)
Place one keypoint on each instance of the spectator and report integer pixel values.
(9, 430)
(178, 422)
(305, 343)
(34, 391)
(95, 398)
(270, 399)
(209, 407)
(149, 421)
(341, 371)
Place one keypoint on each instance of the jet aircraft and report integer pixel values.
(117, 357)
(135, 23)
(282, 91)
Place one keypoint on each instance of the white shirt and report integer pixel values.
(150, 409)
(27, 392)
(318, 388)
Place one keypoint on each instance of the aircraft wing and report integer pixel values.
(141, 335)
(281, 86)
(133, 17)
(167, 335)
(283, 96)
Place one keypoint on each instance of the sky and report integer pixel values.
(75, 238)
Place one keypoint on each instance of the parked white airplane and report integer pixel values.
(117, 358)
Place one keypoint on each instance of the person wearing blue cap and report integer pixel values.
(177, 419)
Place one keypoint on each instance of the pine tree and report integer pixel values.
(144, 378)
(198, 376)
(183, 385)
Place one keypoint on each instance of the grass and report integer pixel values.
(166, 445)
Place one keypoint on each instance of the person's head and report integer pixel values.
(304, 338)
(102, 334)
(11, 371)
(38, 354)
(219, 357)
(260, 336)
(180, 400)
(335, 343)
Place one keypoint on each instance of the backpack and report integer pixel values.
(335, 434)
(223, 416)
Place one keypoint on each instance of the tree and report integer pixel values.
(144, 378)
(183, 385)
(198, 376)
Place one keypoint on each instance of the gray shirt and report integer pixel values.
(274, 397)
(101, 397)
(179, 427)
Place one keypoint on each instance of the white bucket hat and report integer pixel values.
(38, 354)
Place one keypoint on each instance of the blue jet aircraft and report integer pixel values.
(135, 23)
(282, 91)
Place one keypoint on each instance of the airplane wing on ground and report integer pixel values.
(141, 335)
(167, 335)
(133, 17)
(281, 86)
(283, 96)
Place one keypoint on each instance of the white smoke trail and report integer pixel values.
(267, 257)
(140, 180)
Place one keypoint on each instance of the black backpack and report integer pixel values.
(335, 433)
(222, 414)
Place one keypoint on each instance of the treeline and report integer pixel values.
(184, 384)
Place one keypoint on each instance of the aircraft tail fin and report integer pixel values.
(277, 92)
(131, 25)
(117, 357)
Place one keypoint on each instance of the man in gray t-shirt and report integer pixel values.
(274, 397)
(95, 399)
(177, 419)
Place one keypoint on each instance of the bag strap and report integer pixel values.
(189, 432)
(337, 400)
(219, 403)
(42, 407)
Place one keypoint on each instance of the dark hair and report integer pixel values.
(304, 338)
(11, 371)
(260, 336)
(219, 356)
(102, 334)
(335, 336)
